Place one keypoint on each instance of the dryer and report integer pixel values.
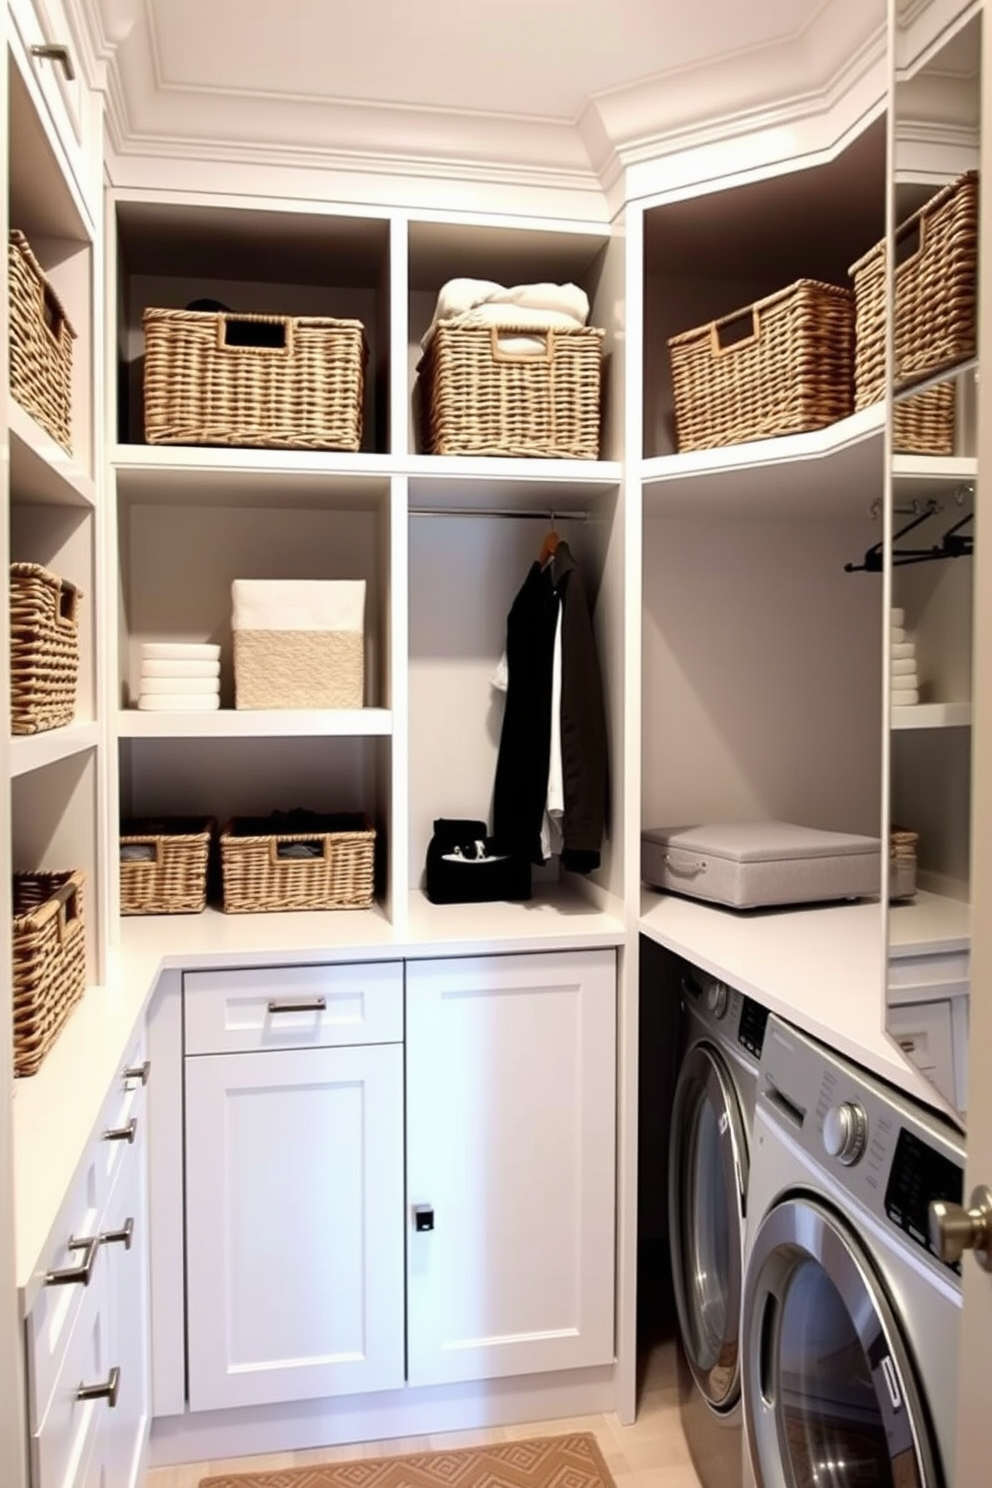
(721, 1038)
(850, 1320)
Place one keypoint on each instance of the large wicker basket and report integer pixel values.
(297, 861)
(49, 961)
(791, 372)
(41, 338)
(164, 864)
(264, 381)
(479, 399)
(44, 649)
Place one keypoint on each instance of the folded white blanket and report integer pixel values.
(483, 302)
(906, 680)
(905, 699)
(179, 686)
(192, 668)
(298, 604)
(897, 634)
(903, 666)
(898, 615)
(903, 650)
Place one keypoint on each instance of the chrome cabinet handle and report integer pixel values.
(138, 1072)
(107, 1391)
(315, 1005)
(56, 51)
(123, 1236)
(122, 1133)
(82, 1273)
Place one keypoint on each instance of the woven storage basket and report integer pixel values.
(903, 846)
(477, 399)
(265, 381)
(164, 870)
(791, 373)
(49, 961)
(260, 872)
(298, 643)
(41, 338)
(44, 649)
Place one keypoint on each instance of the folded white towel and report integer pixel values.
(898, 615)
(180, 668)
(904, 681)
(298, 604)
(153, 702)
(511, 320)
(903, 667)
(179, 651)
(903, 650)
(180, 686)
(905, 699)
(520, 304)
(897, 634)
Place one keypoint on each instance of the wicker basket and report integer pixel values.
(264, 381)
(477, 399)
(264, 868)
(164, 864)
(49, 961)
(44, 649)
(791, 373)
(41, 338)
(903, 846)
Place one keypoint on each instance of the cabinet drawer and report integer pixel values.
(64, 1441)
(293, 1007)
(122, 1121)
(923, 1032)
(45, 23)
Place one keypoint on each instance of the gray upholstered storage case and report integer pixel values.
(747, 865)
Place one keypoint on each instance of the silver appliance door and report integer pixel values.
(830, 1397)
(707, 1185)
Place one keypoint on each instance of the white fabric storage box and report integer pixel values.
(747, 865)
(298, 643)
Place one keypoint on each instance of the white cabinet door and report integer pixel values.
(125, 1244)
(294, 1215)
(511, 1091)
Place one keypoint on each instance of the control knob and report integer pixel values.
(718, 998)
(845, 1132)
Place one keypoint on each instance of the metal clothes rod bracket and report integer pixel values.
(551, 515)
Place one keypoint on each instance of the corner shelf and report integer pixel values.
(30, 752)
(263, 723)
(41, 473)
(930, 716)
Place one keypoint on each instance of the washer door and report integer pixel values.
(829, 1395)
(707, 1184)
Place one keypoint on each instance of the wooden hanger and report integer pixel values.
(550, 544)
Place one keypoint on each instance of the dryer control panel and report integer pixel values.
(732, 1015)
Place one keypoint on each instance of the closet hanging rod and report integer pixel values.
(551, 515)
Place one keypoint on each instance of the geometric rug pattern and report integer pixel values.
(572, 1461)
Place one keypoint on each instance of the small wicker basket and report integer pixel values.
(479, 399)
(164, 864)
(297, 861)
(790, 374)
(41, 338)
(261, 381)
(903, 847)
(44, 649)
(49, 944)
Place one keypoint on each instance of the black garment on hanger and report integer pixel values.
(583, 721)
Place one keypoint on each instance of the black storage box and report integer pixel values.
(463, 867)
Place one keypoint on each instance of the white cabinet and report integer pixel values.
(510, 1064)
(294, 1202)
(125, 1243)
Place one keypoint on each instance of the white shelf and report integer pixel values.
(34, 751)
(186, 475)
(929, 924)
(41, 472)
(441, 480)
(556, 915)
(256, 723)
(930, 716)
(926, 477)
(830, 473)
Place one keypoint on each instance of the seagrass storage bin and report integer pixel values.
(479, 399)
(264, 381)
(49, 961)
(44, 649)
(164, 864)
(298, 860)
(41, 338)
(298, 643)
(790, 373)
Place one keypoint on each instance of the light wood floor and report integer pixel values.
(650, 1454)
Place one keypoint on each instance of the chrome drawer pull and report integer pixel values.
(123, 1236)
(107, 1391)
(316, 1005)
(56, 51)
(69, 1274)
(122, 1133)
(138, 1072)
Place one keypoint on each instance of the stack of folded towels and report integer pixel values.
(902, 663)
(474, 302)
(179, 677)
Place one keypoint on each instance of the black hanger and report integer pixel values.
(874, 559)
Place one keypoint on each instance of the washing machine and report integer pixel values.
(721, 1034)
(850, 1320)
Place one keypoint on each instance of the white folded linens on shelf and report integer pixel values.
(898, 615)
(196, 702)
(906, 698)
(897, 634)
(298, 604)
(905, 682)
(179, 651)
(903, 666)
(180, 686)
(483, 302)
(190, 668)
(903, 650)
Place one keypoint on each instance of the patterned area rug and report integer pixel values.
(539, 1462)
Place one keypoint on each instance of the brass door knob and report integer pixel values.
(954, 1229)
